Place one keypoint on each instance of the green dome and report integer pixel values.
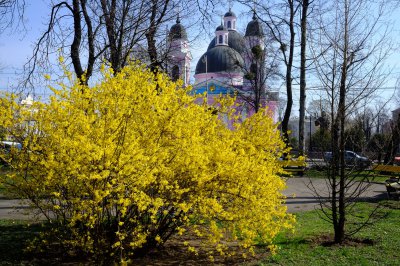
(177, 31)
(254, 28)
(220, 59)
(235, 41)
(229, 14)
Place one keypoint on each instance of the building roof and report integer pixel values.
(229, 14)
(254, 28)
(221, 27)
(177, 31)
(220, 59)
(235, 41)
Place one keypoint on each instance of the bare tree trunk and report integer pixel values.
(289, 65)
(305, 4)
(75, 55)
(109, 17)
(340, 226)
(78, 8)
(151, 33)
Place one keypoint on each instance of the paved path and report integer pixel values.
(299, 197)
(13, 209)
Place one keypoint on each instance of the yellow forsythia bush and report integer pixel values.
(120, 167)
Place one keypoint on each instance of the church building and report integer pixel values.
(232, 65)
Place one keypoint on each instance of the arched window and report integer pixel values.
(175, 73)
(234, 26)
(226, 39)
(229, 24)
(220, 41)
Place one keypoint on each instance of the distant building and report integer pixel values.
(395, 114)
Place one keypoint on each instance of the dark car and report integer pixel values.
(351, 159)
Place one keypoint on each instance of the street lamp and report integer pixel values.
(310, 149)
(311, 117)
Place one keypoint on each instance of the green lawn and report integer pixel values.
(13, 238)
(304, 247)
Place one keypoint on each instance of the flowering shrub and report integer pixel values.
(120, 167)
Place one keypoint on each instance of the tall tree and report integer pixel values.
(352, 45)
(303, 66)
(87, 33)
(280, 20)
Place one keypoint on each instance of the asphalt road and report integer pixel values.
(299, 195)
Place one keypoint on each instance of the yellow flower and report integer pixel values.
(135, 151)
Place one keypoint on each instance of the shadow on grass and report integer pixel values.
(14, 239)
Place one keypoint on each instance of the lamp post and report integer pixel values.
(311, 117)
(205, 61)
(310, 149)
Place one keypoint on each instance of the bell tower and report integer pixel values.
(179, 56)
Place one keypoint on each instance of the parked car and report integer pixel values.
(351, 159)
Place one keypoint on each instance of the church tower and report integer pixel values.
(254, 41)
(254, 58)
(230, 20)
(179, 56)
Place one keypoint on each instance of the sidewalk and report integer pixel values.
(299, 197)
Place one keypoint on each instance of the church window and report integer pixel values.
(175, 73)
(234, 26)
(220, 39)
(229, 24)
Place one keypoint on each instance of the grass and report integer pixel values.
(306, 246)
(14, 236)
(378, 245)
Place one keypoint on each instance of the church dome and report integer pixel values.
(221, 27)
(220, 59)
(235, 41)
(177, 31)
(254, 28)
(229, 14)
